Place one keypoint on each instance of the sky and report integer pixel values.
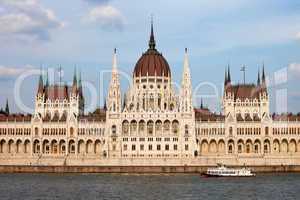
(82, 34)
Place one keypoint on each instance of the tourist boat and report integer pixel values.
(223, 171)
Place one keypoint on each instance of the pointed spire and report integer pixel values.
(186, 65)
(152, 40)
(41, 83)
(105, 106)
(263, 75)
(201, 105)
(186, 75)
(7, 107)
(258, 78)
(47, 79)
(80, 92)
(114, 63)
(75, 77)
(228, 75)
(74, 86)
(225, 79)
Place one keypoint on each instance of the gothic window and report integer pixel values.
(114, 129)
(230, 149)
(71, 131)
(171, 106)
(186, 129)
(266, 130)
(150, 127)
(230, 130)
(158, 147)
(175, 147)
(133, 126)
(158, 126)
(167, 147)
(151, 102)
(186, 147)
(239, 148)
(125, 127)
(167, 125)
(159, 102)
(36, 131)
(133, 147)
(141, 126)
(175, 126)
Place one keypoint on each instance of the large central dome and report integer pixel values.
(152, 63)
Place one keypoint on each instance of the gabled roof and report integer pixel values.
(286, 117)
(15, 117)
(204, 114)
(98, 115)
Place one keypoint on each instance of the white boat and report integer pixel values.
(223, 171)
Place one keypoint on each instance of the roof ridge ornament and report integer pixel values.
(152, 43)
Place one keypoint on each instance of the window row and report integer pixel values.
(15, 131)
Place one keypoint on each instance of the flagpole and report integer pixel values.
(244, 75)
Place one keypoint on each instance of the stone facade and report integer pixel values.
(151, 125)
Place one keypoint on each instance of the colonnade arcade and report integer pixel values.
(52, 147)
(151, 127)
(248, 146)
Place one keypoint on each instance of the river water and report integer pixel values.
(146, 187)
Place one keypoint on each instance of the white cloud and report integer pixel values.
(26, 20)
(298, 35)
(9, 72)
(108, 17)
(97, 1)
(294, 67)
(294, 70)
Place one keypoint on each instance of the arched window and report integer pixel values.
(36, 131)
(266, 130)
(230, 130)
(71, 131)
(230, 148)
(114, 129)
(186, 129)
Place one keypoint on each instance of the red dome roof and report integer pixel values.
(152, 63)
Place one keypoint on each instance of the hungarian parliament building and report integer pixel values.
(151, 125)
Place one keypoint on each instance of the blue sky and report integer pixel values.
(216, 32)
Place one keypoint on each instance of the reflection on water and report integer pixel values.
(144, 187)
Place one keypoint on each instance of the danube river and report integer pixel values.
(144, 187)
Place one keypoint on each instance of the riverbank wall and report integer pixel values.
(84, 164)
(134, 169)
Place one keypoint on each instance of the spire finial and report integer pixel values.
(201, 105)
(258, 78)
(47, 79)
(228, 74)
(7, 107)
(152, 40)
(41, 82)
(226, 79)
(114, 63)
(263, 74)
(75, 75)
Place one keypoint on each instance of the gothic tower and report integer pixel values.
(114, 93)
(186, 87)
